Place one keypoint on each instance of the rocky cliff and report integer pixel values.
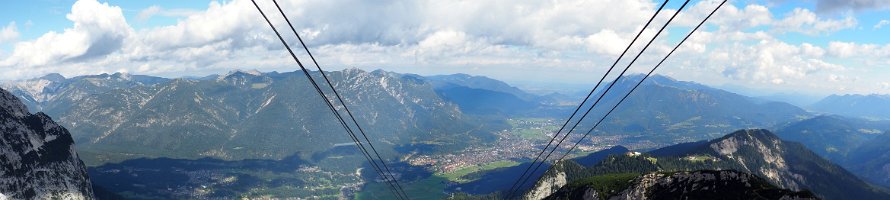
(37, 156)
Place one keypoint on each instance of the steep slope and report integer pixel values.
(38, 157)
(855, 105)
(789, 165)
(705, 184)
(871, 160)
(255, 115)
(558, 176)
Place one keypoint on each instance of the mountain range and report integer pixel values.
(242, 114)
(873, 106)
(667, 111)
(249, 114)
(662, 110)
(274, 116)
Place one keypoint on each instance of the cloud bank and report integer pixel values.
(514, 40)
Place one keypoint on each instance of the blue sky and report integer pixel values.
(816, 46)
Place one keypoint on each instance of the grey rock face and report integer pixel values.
(37, 156)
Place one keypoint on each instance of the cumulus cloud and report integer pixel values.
(806, 22)
(9, 33)
(533, 37)
(849, 49)
(867, 54)
(829, 6)
(772, 61)
(733, 18)
(99, 29)
(428, 30)
(155, 10)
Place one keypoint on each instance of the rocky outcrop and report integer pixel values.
(37, 156)
(765, 156)
(554, 179)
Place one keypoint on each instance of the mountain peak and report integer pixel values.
(55, 77)
(122, 76)
(240, 73)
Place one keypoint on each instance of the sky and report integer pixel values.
(812, 47)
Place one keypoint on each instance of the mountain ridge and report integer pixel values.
(250, 115)
(855, 105)
(788, 165)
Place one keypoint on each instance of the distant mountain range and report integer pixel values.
(37, 156)
(255, 115)
(667, 111)
(479, 82)
(479, 95)
(787, 165)
(855, 105)
(663, 110)
(243, 114)
(249, 114)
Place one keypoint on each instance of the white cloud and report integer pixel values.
(772, 61)
(730, 17)
(99, 29)
(431, 31)
(147, 13)
(519, 40)
(841, 78)
(9, 33)
(811, 50)
(866, 54)
(606, 42)
(881, 23)
(806, 22)
(852, 49)
(155, 10)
